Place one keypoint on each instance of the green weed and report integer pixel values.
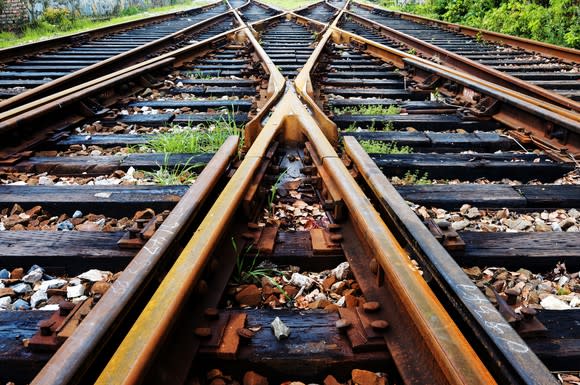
(377, 147)
(416, 178)
(274, 190)
(368, 109)
(189, 141)
(170, 176)
(252, 272)
(199, 75)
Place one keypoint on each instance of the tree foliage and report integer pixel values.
(551, 21)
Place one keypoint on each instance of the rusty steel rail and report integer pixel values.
(99, 69)
(276, 85)
(519, 111)
(130, 362)
(8, 54)
(456, 362)
(78, 351)
(472, 67)
(570, 55)
(303, 84)
(18, 117)
(443, 343)
(519, 365)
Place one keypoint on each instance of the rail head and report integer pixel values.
(68, 363)
(471, 66)
(8, 54)
(536, 117)
(567, 54)
(509, 357)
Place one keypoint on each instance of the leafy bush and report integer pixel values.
(60, 18)
(130, 11)
(551, 21)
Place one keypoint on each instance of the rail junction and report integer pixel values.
(359, 196)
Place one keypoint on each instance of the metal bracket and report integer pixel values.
(448, 237)
(61, 325)
(141, 231)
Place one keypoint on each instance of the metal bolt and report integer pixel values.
(528, 313)
(65, 307)
(374, 266)
(371, 306)
(512, 296)
(202, 332)
(332, 227)
(245, 334)
(380, 324)
(45, 327)
(336, 237)
(342, 324)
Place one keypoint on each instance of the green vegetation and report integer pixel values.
(368, 109)
(551, 21)
(353, 127)
(166, 175)
(274, 190)
(56, 22)
(378, 147)
(190, 141)
(199, 75)
(253, 273)
(416, 178)
(289, 4)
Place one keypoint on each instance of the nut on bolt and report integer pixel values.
(45, 327)
(528, 313)
(65, 307)
(245, 334)
(512, 296)
(380, 325)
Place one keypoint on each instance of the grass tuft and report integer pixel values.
(170, 176)
(368, 110)
(189, 141)
(416, 178)
(390, 148)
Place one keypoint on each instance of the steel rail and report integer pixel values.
(99, 68)
(519, 365)
(306, 20)
(303, 83)
(471, 66)
(456, 361)
(399, 57)
(570, 55)
(523, 106)
(276, 85)
(129, 363)
(79, 350)
(8, 54)
(243, 5)
(17, 117)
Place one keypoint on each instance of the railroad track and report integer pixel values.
(51, 66)
(549, 73)
(281, 226)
